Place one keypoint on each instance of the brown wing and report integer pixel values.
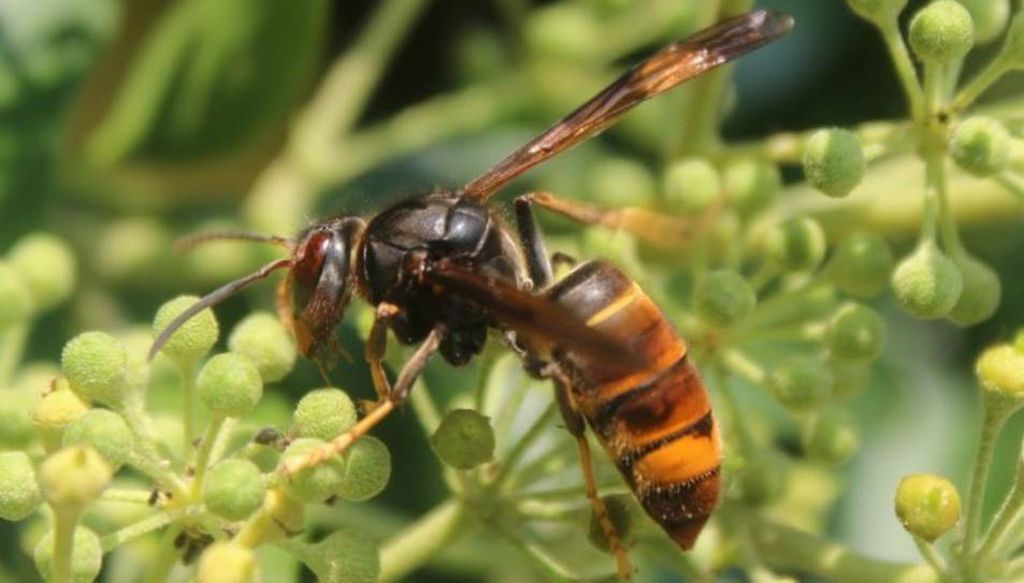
(660, 72)
(527, 313)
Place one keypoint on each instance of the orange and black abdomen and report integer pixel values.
(654, 419)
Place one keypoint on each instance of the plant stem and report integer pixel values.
(930, 554)
(64, 524)
(187, 372)
(742, 365)
(1013, 182)
(126, 495)
(167, 557)
(904, 66)
(422, 541)
(1008, 515)
(203, 456)
(981, 82)
(535, 430)
(552, 568)
(10, 353)
(133, 531)
(995, 417)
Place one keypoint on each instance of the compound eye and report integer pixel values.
(305, 272)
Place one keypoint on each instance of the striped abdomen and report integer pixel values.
(655, 421)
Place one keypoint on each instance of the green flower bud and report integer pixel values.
(324, 414)
(234, 489)
(1000, 370)
(762, 478)
(266, 457)
(834, 161)
(229, 385)
(851, 379)
(96, 366)
(367, 470)
(317, 483)
(620, 512)
(195, 337)
(464, 439)
(750, 184)
(53, 414)
(564, 31)
(47, 265)
(723, 298)
(861, 265)
(691, 186)
(281, 517)
(15, 297)
(831, 436)
(131, 247)
(262, 338)
(796, 244)
(857, 333)
(86, 556)
(981, 146)
(345, 556)
(927, 283)
(19, 491)
(981, 294)
(941, 32)
(989, 16)
(878, 11)
(73, 477)
(228, 562)
(927, 505)
(801, 384)
(106, 432)
(16, 406)
(620, 182)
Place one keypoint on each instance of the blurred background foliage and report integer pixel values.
(126, 124)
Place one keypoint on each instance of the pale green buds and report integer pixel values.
(989, 16)
(16, 408)
(106, 432)
(280, 518)
(691, 186)
(345, 556)
(316, 483)
(464, 439)
(834, 161)
(927, 505)
(48, 267)
(927, 283)
(367, 470)
(878, 11)
(1000, 370)
(831, 436)
(619, 182)
(228, 562)
(981, 294)
(86, 556)
(801, 384)
(856, 333)
(861, 265)
(19, 492)
(234, 489)
(324, 414)
(564, 31)
(723, 298)
(96, 366)
(750, 184)
(263, 339)
(981, 146)
(15, 297)
(53, 413)
(195, 337)
(73, 477)
(796, 244)
(761, 478)
(229, 385)
(941, 32)
(620, 513)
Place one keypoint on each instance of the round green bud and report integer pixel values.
(47, 265)
(851, 378)
(619, 182)
(981, 294)
(16, 406)
(802, 384)
(796, 244)
(831, 436)
(15, 297)
(566, 31)
(228, 562)
(691, 186)
(19, 491)
(281, 517)
(229, 385)
(989, 16)
(723, 298)
(324, 414)
(86, 556)
(316, 483)
(941, 32)
(464, 439)
(927, 505)
(856, 333)
(762, 478)
(834, 161)
(861, 265)
(981, 146)
(194, 338)
(367, 470)
(131, 247)
(927, 283)
(234, 489)
(53, 413)
(878, 11)
(345, 556)
(620, 513)
(750, 184)
(73, 477)
(96, 366)
(262, 338)
(106, 432)
(1000, 370)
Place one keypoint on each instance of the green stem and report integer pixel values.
(731, 408)
(743, 366)
(1008, 515)
(126, 495)
(930, 554)
(203, 456)
(904, 67)
(429, 417)
(187, 372)
(10, 353)
(64, 526)
(552, 568)
(995, 416)
(422, 541)
(1013, 182)
(535, 430)
(981, 82)
(131, 532)
(159, 569)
